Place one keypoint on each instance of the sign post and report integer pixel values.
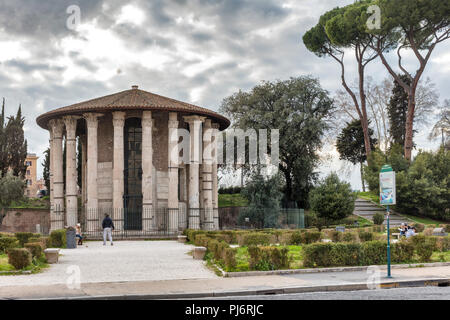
(387, 197)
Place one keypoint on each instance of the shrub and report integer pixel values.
(373, 253)
(6, 234)
(419, 227)
(378, 218)
(424, 246)
(349, 237)
(443, 243)
(312, 236)
(19, 258)
(7, 243)
(35, 249)
(317, 255)
(23, 237)
(345, 254)
(447, 228)
(332, 199)
(255, 238)
(229, 257)
(305, 237)
(402, 251)
(201, 240)
(268, 258)
(378, 228)
(212, 247)
(58, 238)
(365, 236)
(336, 236)
(192, 233)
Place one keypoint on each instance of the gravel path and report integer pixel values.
(125, 261)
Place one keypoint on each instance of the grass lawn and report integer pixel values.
(34, 267)
(295, 252)
(424, 220)
(4, 265)
(232, 200)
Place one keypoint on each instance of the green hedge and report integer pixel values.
(19, 258)
(8, 243)
(268, 258)
(363, 254)
(35, 249)
(23, 237)
(305, 237)
(255, 238)
(58, 238)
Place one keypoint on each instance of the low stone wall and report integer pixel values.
(228, 217)
(25, 220)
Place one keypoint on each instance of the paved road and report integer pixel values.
(420, 293)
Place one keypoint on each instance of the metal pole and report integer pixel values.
(388, 246)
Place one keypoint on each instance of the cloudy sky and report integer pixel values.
(197, 51)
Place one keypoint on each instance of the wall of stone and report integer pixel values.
(25, 220)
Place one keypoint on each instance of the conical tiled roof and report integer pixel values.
(133, 99)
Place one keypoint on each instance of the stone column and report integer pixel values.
(173, 164)
(215, 191)
(83, 168)
(194, 154)
(71, 171)
(57, 126)
(52, 203)
(207, 175)
(92, 168)
(118, 169)
(147, 168)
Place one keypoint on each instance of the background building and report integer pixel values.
(126, 139)
(32, 185)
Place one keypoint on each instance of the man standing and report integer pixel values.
(107, 226)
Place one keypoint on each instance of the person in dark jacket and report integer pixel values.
(107, 226)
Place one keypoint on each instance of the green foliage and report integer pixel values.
(336, 236)
(365, 236)
(424, 246)
(23, 237)
(373, 253)
(34, 248)
(443, 243)
(46, 169)
(11, 189)
(299, 109)
(8, 243)
(58, 238)
(397, 111)
(378, 218)
(425, 188)
(264, 196)
(268, 258)
(402, 251)
(13, 146)
(350, 143)
(19, 258)
(255, 238)
(332, 199)
(230, 190)
(229, 258)
(305, 237)
(349, 237)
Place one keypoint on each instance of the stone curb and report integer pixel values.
(282, 290)
(317, 270)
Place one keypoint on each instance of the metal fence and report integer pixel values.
(136, 223)
(285, 218)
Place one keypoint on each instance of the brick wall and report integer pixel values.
(25, 220)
